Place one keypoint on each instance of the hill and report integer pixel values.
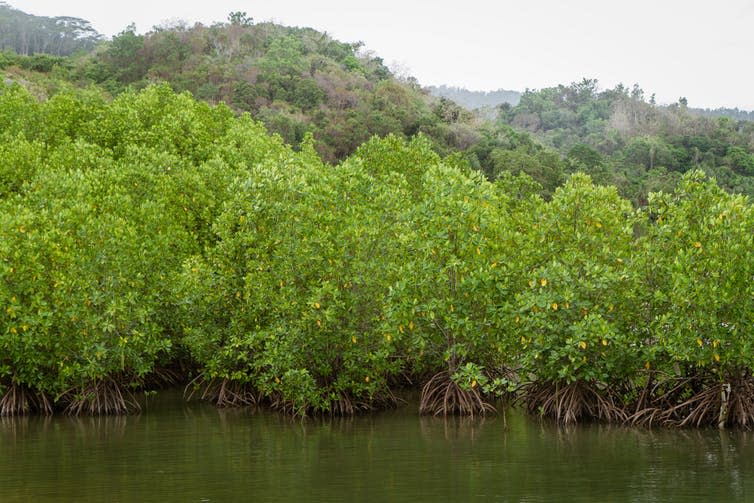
(471, 100)
(27, 34)
(623, 139)
(295, 80)
(300, 82)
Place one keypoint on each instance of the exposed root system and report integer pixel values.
(101, 397)
(19, 400)
(223, 393)
(343, 406)
(698, 401)
(441, 395)
(573, 402)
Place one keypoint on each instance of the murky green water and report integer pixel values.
(193, 452)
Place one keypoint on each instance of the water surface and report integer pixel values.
(192, 452)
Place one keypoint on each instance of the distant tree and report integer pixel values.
(240, 19)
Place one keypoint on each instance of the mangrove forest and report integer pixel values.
(151, 239)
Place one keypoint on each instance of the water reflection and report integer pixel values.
(178, 451)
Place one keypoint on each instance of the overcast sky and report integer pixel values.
(698, 49)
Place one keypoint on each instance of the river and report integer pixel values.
(192, 452)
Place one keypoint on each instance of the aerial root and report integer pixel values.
(695, 401)
(99, 397)
(223, 392)
(441, 395)
(19, 400)
(572, 402)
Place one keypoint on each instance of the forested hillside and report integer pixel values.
(472, 100)
(295, 80)
(624, 139)
(59, 36)
(298, 81)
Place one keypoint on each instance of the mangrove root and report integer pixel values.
(224, 392)
(696, 401)
(19, 400)
(572, 402)
(101, 397)
(441, 395)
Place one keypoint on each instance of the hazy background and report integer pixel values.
(700, 50)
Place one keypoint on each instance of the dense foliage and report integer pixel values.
(621, 138)
(154, 237)
(573, 255)
(299, 81)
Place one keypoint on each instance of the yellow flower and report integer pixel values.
(316, 305)
(473, 383)
(716, 357)
(697, 244)
(582, 345)
(319, 323)
(353, 339)
(410, 325)
(604, 342)
(699, 342)
(543, 281)
(647, 365)
(389, 337)
(366, 379)
(554, 306)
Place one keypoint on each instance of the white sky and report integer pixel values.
(698, 49)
